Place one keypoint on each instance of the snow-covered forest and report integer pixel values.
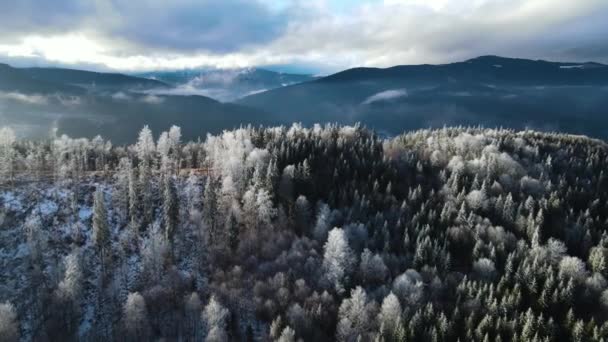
(313, 234)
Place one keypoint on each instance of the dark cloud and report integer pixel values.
(177, 26)
(582, 40)
(23, 17)
(209, 26)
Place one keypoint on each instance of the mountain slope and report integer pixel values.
(488, 90)
(92, 80)
(492, 69)
(37, 102)
(17, 80)
(225, 85)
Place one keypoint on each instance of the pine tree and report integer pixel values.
(232, 230)
(101, 229)
(210, 209)
(134, 202)
(7, 154)
(146, 191)
(170, 209)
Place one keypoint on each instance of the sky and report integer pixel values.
(317, 36)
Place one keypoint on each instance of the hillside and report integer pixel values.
(320, 234)
(39, 102)
(489, 90)
(228, 84)
(92, 80)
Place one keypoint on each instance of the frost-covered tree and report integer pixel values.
(170, 209)
(7, 154)
(287, 335)
(120, 194)
(572, 267)
(145, 146)
(389, 317)
(215, 317)
(146, 191)
(155, 252)
(338, 259)
(9, 326)
(322, 222)
(372, 268)
(135, 317)
(302, 214)
(134, 202)
(193, 309)
(353, 317)
(101, 229)
(70, 286)
(409, 287)
(484, 268)
(211, 210)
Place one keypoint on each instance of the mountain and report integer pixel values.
(92, 80)
(476, 232)
(488, 69)
(37, 102)
(488, 90)
(17, 80)
(224, 85)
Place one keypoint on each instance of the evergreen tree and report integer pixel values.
(337, 259)
(101, 229)
(170, 209)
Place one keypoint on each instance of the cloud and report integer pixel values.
(132, 27)
(154, 34)
(24, 98)
(37, 99)
(386, 95)
(121, 96)
(210, 26)
(152, 99)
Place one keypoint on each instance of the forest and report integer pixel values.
(293, 233)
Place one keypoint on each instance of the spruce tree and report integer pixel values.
(170, 209)
(101, 230)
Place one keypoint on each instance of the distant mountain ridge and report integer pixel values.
(487, 90)
(485, 68)
(38, 101)
(225, 84)
(90, 79)
(45, 80)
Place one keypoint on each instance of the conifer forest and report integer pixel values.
(305, 233)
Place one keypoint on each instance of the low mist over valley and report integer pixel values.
(489, 91)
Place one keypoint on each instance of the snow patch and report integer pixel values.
(10, 201)
(48, 207)
(85, 213)
(23, 250)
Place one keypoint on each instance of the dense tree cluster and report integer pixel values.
(293, 233)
